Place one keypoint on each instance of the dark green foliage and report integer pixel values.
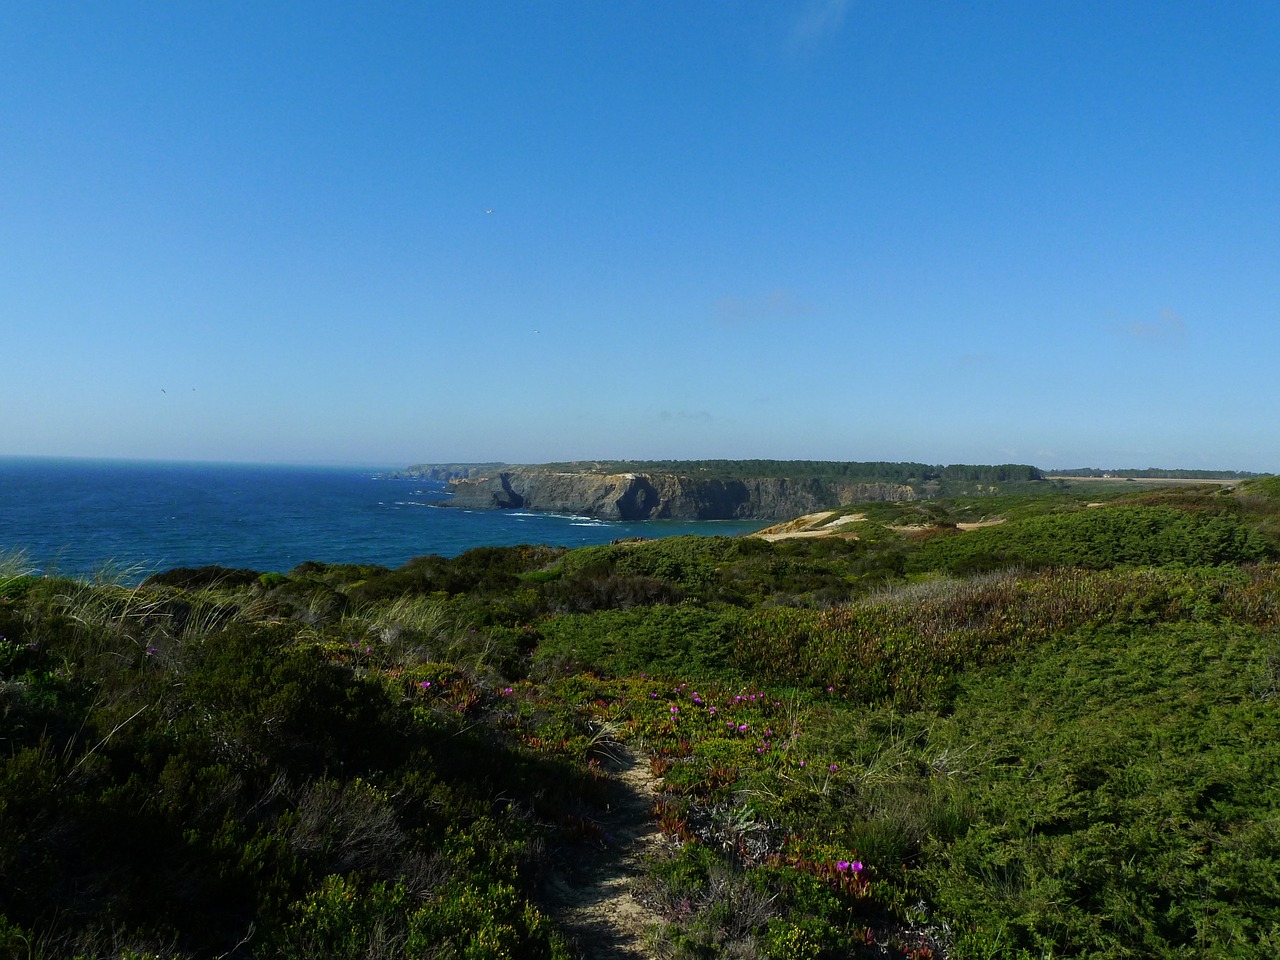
(1096, 539)
(181, 793)
(1118, 803)
(685, 638)
(189, 578)
(264, 699)
(484, 570)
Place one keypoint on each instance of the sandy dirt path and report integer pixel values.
(593, 897)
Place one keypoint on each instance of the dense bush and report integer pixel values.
(1097, 539)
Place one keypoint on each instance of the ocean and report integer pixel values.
(128, 519)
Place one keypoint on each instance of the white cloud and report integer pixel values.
(775, 306)
(667, 416)
(817, 20)
(1167, 331)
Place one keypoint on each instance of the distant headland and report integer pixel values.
(744, 489)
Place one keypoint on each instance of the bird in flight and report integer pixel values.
(490, 210)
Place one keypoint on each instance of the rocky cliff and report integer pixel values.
(659, 496)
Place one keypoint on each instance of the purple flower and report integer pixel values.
(842, 866)
(833, 768)
(742, 728)
(424, 684)
(856, 866)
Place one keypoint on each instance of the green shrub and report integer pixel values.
(1096, 539)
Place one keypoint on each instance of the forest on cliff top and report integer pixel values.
(1055, 736)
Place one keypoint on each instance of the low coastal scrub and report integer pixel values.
(1054, 737)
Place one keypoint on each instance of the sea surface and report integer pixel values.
(128, 519)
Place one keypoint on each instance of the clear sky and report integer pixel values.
(1042, 232)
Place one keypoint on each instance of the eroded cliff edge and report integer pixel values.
(663, 496)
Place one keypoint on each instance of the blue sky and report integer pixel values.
(952, 232)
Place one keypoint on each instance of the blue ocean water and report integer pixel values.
(81, 517)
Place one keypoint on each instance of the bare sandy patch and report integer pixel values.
(812, 525)
(978, 524)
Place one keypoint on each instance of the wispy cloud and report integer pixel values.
(818, 19)
(777, 306)
(968, 361)
(1167, 331)
(670, 416)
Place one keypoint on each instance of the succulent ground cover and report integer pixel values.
(1052, 737)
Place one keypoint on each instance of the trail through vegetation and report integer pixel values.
(595, 894)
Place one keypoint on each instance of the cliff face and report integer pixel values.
(646, 496)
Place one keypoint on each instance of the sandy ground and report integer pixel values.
(978, 524)
(593, 898)
(825, 524)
